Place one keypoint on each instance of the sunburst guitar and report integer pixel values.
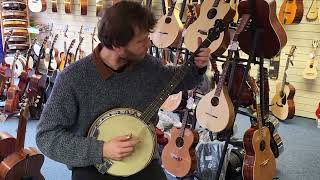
(209, 12)
(310, 71)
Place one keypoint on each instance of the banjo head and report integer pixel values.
(123, 121)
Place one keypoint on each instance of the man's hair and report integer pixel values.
(116, 27)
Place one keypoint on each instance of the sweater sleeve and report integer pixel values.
(54, 137)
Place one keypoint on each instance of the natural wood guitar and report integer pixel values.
(282, 105)
(15, 23)
(168, 29)
(259, 162)
(178, 156)
(272, 39)
(310, 71)
(210, 11)
(312, 14)
(14, 14)
(291, 11)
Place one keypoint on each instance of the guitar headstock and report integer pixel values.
(253, 85)
(66, 28)
(291, 54)
(31, 46)
(81, 40)
(55, 39)
(215, 31)
(80, 31)
(71, 45)
(30, 98)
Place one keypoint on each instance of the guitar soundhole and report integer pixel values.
(262, 145)
(215, 101)
(212, 13)
(179, 142)
(311, 66)
(168, 20)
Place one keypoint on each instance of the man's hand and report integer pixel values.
(202, 58)
(119, 147)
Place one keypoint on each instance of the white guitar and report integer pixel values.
(37, 5)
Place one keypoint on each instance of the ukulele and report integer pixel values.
(210, 11)
(310, 71)
(23, 163)
(66, 57)
(312, 14)
(178, 156)
(282, 104)
(37, 5)
(54, 4)
(83, 7)
(4, 67)
(273, 38)
(259, 162)
(67, 6)
(174, 100)
(215, 110)
(12, 100)
(291, 11)
(168, 29)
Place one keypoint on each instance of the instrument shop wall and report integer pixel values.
(307, 91)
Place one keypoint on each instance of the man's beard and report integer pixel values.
(131, 58)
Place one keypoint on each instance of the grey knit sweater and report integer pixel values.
(80, 95)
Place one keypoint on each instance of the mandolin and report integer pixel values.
(312, 14)
(178, 156)
(282, 105)
(67, 6)
(209, 12)
(168, 29)
(259, 162)
(310, 71)
(11, 103)
(37, 5)
(139, 124)
(291, 11)
(23, 163)
(272, 39)
(83, 7)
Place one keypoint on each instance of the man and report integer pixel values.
(119, 73)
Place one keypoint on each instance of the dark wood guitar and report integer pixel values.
(282, 105)
(259, 162)
(272, 39)
(83, 7)
(291, 11)
(12, 100)
(24, 163)
(54, 4)
(7, 145)
(178, 156)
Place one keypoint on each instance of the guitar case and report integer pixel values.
(234, 168)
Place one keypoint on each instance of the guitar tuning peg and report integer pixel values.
(38, 96)
(36, 101)
(35, 105)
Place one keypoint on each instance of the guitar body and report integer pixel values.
(15, 23)
(167, 31)
(312, 14)
(83, 7)
(258, 164)
(54, 5)
(178, 156)
(273, 38)
(273, 143)
(291, 11)
(4, 76)
(7, 145)
(37, 5)
(111, 124)
(25, 163)
(283, 107)
(67, 6)
(310, 72)
(206, 20)
(215, 118)
(12, 101)
(173, 102)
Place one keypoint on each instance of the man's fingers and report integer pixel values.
(199, 39)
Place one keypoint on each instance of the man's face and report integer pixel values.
(137, 48)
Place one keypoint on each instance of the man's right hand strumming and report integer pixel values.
(119, 147)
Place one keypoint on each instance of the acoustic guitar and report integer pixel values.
(24, 163)
(209, 12)
(15, 23)
(14, 14)
(99, 7)
(310, 71)
(282, 104)
(37, 5)
(312, 14)
(4, 67)
(51, 56)
(272, 39)
(291, 11)
(259, 162)
(83, 7)
(139, 123)
(7, 145)
(215, 110)
(12, 100)
(66, 57)
(178, 156)
(67, 6)
(168, 29)
(54, 4)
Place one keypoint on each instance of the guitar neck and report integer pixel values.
(184, 122)
(222, 79)
(21, 132)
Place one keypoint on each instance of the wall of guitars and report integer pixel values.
(302, 32)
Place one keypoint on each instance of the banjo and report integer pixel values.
(111, 123)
